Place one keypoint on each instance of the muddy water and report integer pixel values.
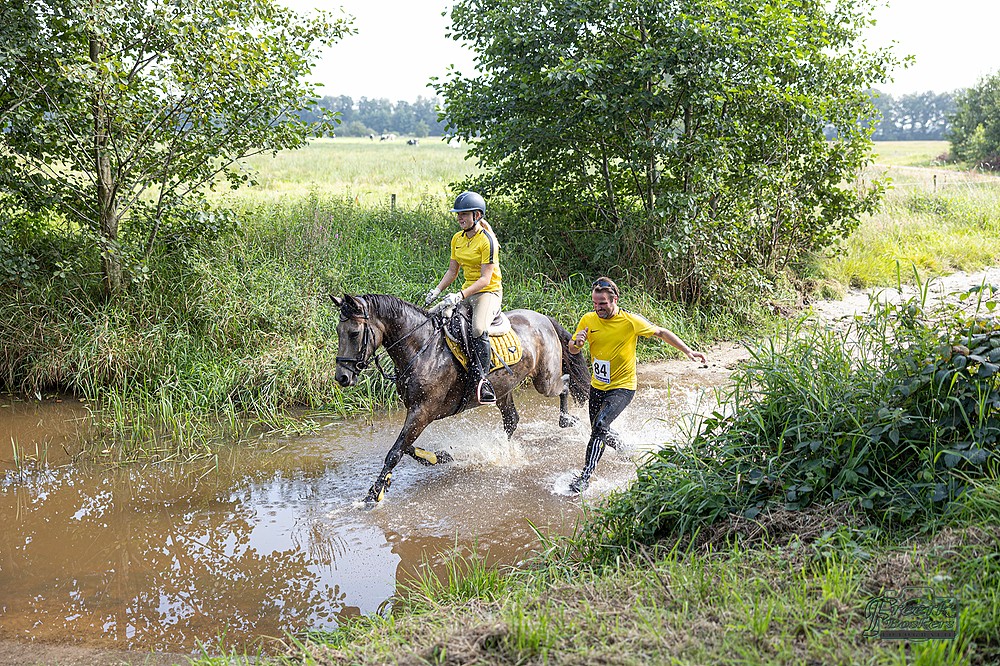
(271, 538)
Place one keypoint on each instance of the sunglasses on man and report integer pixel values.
(604, 284)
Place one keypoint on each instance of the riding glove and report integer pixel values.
(451, 299)
(431, 296)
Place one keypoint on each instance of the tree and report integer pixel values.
(686, 134)
(975, 127)
(913, 117)
(119, 114)
(376, 113)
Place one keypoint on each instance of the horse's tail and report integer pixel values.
(574, 365)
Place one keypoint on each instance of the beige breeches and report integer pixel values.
(485, 308)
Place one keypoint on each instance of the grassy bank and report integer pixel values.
(934, 217)
(784, 590)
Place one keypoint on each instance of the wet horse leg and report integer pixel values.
(416, 421)
(505, 403)
(566, 420)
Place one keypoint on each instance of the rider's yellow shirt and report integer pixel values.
(612, 348)
(472, 253)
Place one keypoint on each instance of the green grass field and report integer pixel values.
(363, 171)
(939, 220)
(911, 153)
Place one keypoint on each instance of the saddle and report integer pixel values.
(505, 345)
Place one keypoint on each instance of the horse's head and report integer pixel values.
(357, 339)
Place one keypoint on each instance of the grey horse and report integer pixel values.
(432, 383)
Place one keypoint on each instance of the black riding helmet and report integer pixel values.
(469, 201)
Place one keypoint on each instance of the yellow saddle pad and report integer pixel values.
(506, 347)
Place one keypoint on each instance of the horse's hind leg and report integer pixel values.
(566, 420)
(505, 403)
(425, 457)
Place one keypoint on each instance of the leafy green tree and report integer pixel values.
(117, 115)
(354, 128)
(975, 127)
(686, 136)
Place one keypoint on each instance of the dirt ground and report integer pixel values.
(13, 653)
(722, 360)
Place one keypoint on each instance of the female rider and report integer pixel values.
(476, 251)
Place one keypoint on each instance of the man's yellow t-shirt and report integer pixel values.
(612, 348)
(472, 253)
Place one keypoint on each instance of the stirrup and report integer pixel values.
(484, 392)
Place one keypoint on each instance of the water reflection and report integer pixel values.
(260, 541)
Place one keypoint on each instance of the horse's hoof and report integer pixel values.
(377, 491)
(425, 457)
(567, 420)
(444, 457)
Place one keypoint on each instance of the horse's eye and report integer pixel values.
(354, 336)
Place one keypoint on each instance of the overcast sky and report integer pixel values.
(401, 43)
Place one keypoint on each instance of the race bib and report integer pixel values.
(602, 371)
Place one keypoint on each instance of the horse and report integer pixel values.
(430, 380)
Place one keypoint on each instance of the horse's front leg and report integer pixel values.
(505, 403)
(416, 422)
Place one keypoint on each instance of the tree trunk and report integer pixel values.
(107, 206)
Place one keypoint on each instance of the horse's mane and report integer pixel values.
(387, 306)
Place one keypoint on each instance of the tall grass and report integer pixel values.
(938, 222)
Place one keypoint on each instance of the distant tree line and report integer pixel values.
(924, 116)
(379, 116)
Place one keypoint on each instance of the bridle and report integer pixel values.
(360, 362)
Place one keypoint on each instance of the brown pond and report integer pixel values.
(271, 538)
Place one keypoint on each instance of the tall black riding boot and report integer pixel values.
(479, 368)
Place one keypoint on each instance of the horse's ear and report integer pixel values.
(338, 302)
(353, 302)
